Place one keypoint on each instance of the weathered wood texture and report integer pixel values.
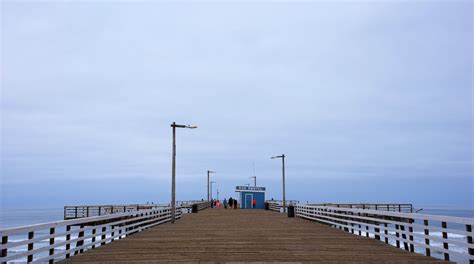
(217, 235)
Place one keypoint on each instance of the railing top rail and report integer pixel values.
(115, 205)
(385, 204)
(22, 229)
(441, 218)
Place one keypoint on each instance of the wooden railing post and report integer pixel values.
(470, 251)
(31, 235)
(103, 235)
(93, 238)
(51, 242)
(360, 227)
(4, 251)
(68, 237)
(427, 240)
(113, 233)
(377, 231)
(404, 236)
(398, 236)
(80, 241)
(352, 224)
(410, 231)
(444, 225)
(386, 232)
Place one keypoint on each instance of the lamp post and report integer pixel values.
(173, 170)
(254, 180)
(208, 179)
(211, 187)
(282, 156)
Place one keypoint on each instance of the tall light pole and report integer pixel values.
(211, 187)
(254, 180)
(282, 156)
(173, 170)
(208, 179)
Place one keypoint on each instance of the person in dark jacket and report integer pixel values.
(231, 203)
(225, 203)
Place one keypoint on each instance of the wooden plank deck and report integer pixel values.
(218, 235)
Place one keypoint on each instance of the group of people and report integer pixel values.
(231, 203)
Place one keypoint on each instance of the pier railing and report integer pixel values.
(405, 208)
(277, 205)
(187, 208)
(54, 241)
(81, 211)
(449, 238)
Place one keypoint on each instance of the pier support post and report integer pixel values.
(51, 242)
(68, 237)
(80, 241)
(470, 251)
(377, 232)
(410, 231)
(427, 240)
(445, 236)
(103, 235)
(398, 236)
(93, 238)
(404, 236)
(4, 251)
(31, 235)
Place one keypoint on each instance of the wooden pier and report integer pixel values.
(218, 235)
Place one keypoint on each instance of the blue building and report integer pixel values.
(248, 193)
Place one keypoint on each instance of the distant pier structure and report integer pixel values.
(248, 195)
(325, 232)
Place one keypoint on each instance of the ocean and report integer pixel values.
(21, 217)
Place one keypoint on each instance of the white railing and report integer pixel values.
(275, 207)
(187, 209)
(405, 208)
(54, 241)
(446, 237)
(81, 211)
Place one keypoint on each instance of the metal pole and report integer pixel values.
(254, 180)
(173, 176)
(283, 173)
(211, 190)
(208, 196)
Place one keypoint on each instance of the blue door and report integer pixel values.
(248, 201)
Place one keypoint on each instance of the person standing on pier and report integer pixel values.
(254, 202)
(225, 203)
(231, 203)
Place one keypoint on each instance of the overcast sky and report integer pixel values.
(370, 101)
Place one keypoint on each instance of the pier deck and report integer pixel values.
(218, 235)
